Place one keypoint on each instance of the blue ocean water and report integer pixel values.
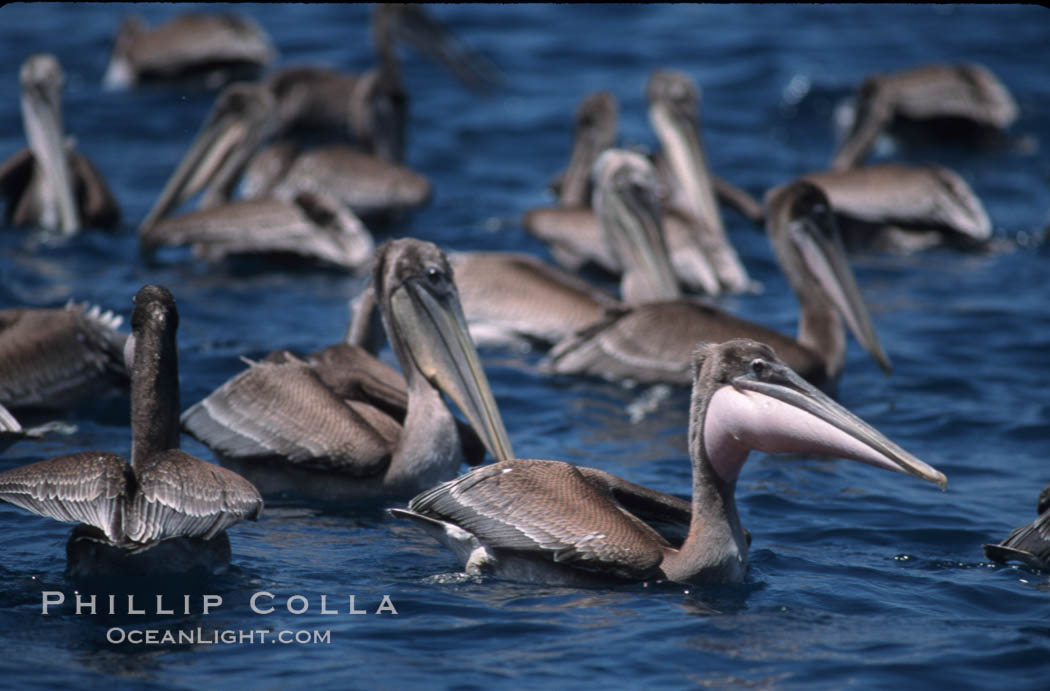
(858, 577)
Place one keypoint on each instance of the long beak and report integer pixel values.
(236, 126)
(630, 221)
(681, 142)
(428, 36)
(435, 334)
(820, 245)
(41, 112)
(785, 414)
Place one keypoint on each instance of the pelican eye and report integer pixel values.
(759, 366)
(433, 274)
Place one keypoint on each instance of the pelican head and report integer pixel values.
(595, 131)
(424, 322)
(627, 195)
(745, 398)
(42, 81)
(243, 116)
(806, 239)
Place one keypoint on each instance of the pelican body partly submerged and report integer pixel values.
(554, 523)
(652, 342)
(166, 512)
(303, 427)
(50, 185)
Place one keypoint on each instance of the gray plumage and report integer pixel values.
(653, 342)
(215, 48)
(56, 358)
(939, 95)
(339, 423)
(553, 523)
(164, 493)
(50, 185)
(1029, 544)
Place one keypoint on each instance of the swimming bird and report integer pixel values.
(1029, 544)
(904, 208)
(50, 184)
(311, 225)
(572, 231)
(553, 523)
(165, 512)
(293, 428)
(940, 97)
(322, 104)
(57, 358)
(215, 48)
(674, 111)
(510, 298)
(652, 342)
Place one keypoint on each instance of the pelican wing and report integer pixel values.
(86, 487)
(653, 342)
(182, 496)
(15, 174)
(1029, 544)
(546, 509)
(98, 207)
(667, 514)
(355, 374)
(284, 410)
(50, 356)
(255, 226)
(351, 372)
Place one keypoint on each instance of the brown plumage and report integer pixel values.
(553, 523)
(163, 495)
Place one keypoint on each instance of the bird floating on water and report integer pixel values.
(166, 512)
(310, 427)
(214, 48)
(652, 342)
(937, 98)
(554, 523)
(51, 185)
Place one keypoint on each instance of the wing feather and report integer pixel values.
(284, 410)
(85, 487)
(549, 510)
(182, 496)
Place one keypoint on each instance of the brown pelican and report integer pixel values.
(904, 208)
(572, 229)
(295, 429)
(50, 184)
(553, 523)
(936, 95)
(215, 47)
(652, 342)
(56, 358)
(674, 112)
(371, 107)
(167, 511)
(1029, 544)
(511, 298)
(311, 225)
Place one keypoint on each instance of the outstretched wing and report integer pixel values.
(549, 510)
(284, 410)
(86, 487)
(182, 496)
(1029, 544)
(51, 357)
